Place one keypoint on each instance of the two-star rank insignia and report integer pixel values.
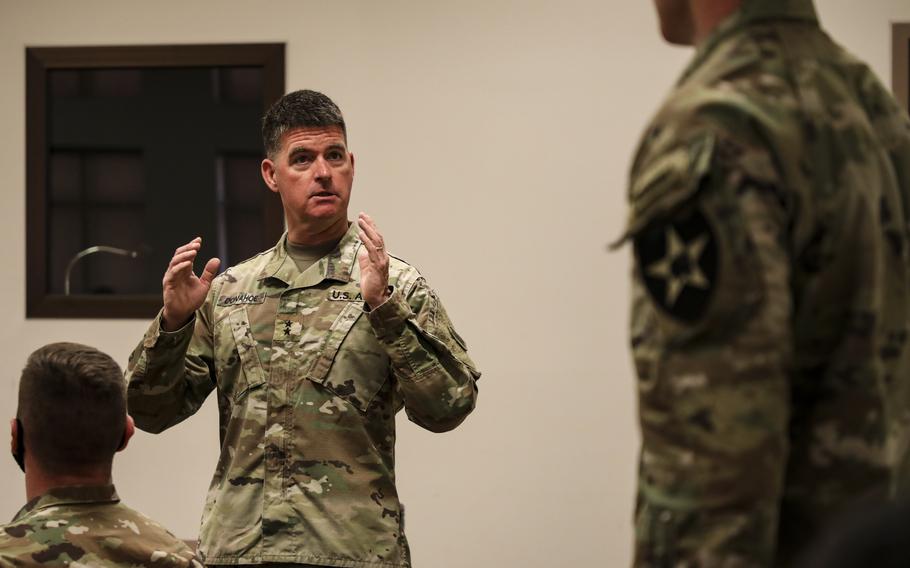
(678, 263)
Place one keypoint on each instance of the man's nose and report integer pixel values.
(322, 168)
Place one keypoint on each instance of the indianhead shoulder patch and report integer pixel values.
(678, 263)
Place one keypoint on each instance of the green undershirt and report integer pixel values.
(305, 256)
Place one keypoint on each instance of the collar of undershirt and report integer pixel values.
(310, 252)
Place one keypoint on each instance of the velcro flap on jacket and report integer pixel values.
(666, 182)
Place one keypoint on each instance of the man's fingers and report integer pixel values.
(364, 235)
(182, 257)
(180, 267)
(372, 233)
(368, 245)
(210, 270)
(366, 218)
(178, 271)
(367, 225)
(371, 248)
(194, 244)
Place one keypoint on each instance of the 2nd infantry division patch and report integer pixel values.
(677, 261)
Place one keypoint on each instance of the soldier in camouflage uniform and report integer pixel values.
(313, 347)
(72, 419)
(769, 201)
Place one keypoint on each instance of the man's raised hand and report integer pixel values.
(374, 263)
(183, 291)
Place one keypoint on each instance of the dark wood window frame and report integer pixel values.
(40, 60)
(900, 58)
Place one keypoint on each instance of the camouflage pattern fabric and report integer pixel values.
(88, 526)
(308, 386)
(769, 319)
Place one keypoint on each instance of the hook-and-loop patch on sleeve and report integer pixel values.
(693, 253)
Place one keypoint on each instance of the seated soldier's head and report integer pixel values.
(72, 415)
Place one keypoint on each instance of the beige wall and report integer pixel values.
(492, 141)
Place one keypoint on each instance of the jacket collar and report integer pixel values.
(337, 265)
(72, 495)
(750, 12)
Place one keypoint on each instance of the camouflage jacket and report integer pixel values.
(88, 526)
(769, 201)
(308, 386)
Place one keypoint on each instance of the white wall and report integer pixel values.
(492, 140)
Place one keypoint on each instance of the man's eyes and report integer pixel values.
(330, 156)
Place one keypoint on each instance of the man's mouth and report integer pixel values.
(324, 194)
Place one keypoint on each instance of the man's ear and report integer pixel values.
(17, 444)
(128, 430)
(14, 436)
(269, 174)
(352, 162)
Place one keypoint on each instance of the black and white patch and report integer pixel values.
(678, 263)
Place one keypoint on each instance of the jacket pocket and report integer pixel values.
(351, 363)
(252, 374)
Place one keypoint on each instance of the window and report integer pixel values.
(133, 151)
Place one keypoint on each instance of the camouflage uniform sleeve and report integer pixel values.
(435, 375)
(711, 341)
(171, 373)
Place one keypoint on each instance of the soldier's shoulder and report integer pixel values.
(23, 542)
(404, 275)
(12, 554)
(401, 268)
(63, 532)
(12, 535)
(8, 559)
(738, 105)
(247, 267)
(256, 259)
(152, 527)
(25, 526)
(400, 264)
(746, 82)
(148, 534)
